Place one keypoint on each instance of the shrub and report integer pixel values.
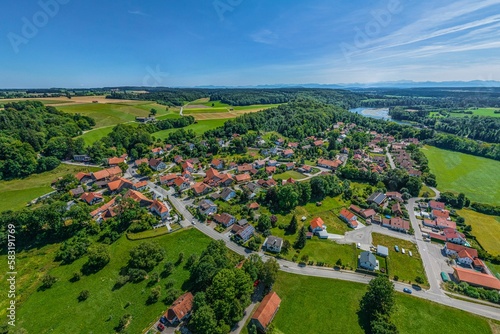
(84, 295)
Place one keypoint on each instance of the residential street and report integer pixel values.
(432, 267)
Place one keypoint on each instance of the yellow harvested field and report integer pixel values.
(485, 228)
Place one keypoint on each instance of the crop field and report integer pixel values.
(485, 228)
(17, 193)
(321, 305)
(100, 313)
(478, 178)
(479, 112)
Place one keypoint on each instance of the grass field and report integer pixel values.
(485, 228)
(426, 189)
(321, 305)
(100, 313)
(114, 113)
(479, 112)
(289, 174)
(16, 193)
(476, 177)
(405, 267)
(199, 128)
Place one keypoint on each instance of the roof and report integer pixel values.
(118, 184)
(437, 205)
(382, 250)
(180, 308)
(368, 213)
(368, 257)
(244, 168)
(168, 177)
(200, 188)
(159, 207)
(141, 161)
(180, 180)
(224, 218)
(267, 309)
(317, 223)
(253, 205)
(81, 175)
(211, 173)
(226, 192)
(103, 208)
(377, 198)
(216, 162)
(206, 203)
(141, 184)
(355, 208)
(155, 162)
(115, 160)
(273, 241)
(137, 196)
(440, 214)
(288, 151)
(477, 278)
(243, 177)
(89, 197)
(459, 248)
(347, 214)
(329, 163)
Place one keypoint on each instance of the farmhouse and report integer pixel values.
(329, 164)
(317, 225)
(396, 223)
(475, 278)
(266, 311)
(91, 198)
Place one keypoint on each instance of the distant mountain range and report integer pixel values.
(386, 84)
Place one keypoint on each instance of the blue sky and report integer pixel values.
(92, 43)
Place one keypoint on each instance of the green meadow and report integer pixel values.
(478, 178)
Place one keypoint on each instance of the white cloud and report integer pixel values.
(264, 36)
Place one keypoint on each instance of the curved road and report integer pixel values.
(435, 294)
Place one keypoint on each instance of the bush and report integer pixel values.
(84, 295)
(419, 280)
(137, 275)
(48, 281)
(154, 295)
(168, 268)
(76, 277)
(169, 284)
(171, 296)
(146, 256)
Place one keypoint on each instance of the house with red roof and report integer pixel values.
(270, 170)
(464, 255)
(475, 278)
(452, 235)
(140, 186)
(266, 311)
(440, 214)
(317, 225)
(180, 309)
(168, 179)
(368, 213)
(434, 205)
(241, 178)
(138, 197)
(224, 219)
(288, 153)
(329, 164)
(91, 198)
(119, 184)
(349, 217)
(397, 224)
(139, 162)
(182, 183)
(115, 161)
(217, 164)
(201, 188)
(160, 209)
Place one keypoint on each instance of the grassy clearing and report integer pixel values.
(459, 172)
(478, 112)
(102, 311)
(289, 174)
(495, 269)
(17, 193)
(205, 111)
(426, 189)
(402, 265)
(199, 128)
(44, 101)
(321, 305)
(485, 228)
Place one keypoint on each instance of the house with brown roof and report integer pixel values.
(157, 151)
(83, 177)
(139, 162)
(394, 195)
(168, 179)
(188, 166)
(434, 205)
(157, 164)
(270, 170)
(98, 213)
(396, 209)
(464, 255)
(445, 214)
(140, 186)
(368, 213)
(182, 183)
(217, 164)
(106, 174)
(397, 224)
(475, 278)
(78, 191)
(240, 178)
(288, 153)
(244, 168)
(452, 235)
(180, 309)
(207, 207)
(201, 188)
(266, 311)
(253, 206)
(115, 161)
(91, 198)
(329, 164)
(224, 219)
(138, 197)
(318, 143)
(266, 183)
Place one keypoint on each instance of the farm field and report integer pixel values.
(289, 174)
(459, 172)
(17, 193)
(101, 312)
(321, 305)
(402, 265)
(485, 228)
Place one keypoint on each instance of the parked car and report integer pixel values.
(358, 245)
(410, 253)
(403, 250)
(160, 327)
(163, 320)
(396, 248)
(407, 290)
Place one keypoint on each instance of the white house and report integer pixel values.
(367, 261)
(273, 244)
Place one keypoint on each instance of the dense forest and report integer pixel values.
(29, 128)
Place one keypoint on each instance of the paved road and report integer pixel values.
(435, 294)
(389, 157)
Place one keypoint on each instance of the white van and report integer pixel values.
(402, 250)
(358, 245)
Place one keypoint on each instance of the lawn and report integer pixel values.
(426, 189)
(402, 265)
(289, 174)
(321, 305)
(459, 172)
(204, 111)
(199, 128)
(485, 228)
(494, 268)
(102, 311)
(17, 193)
